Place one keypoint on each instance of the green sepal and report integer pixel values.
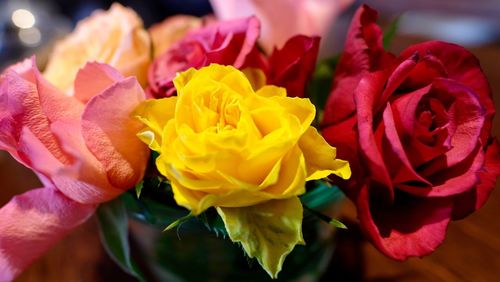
(178, 221)
(268, 231)
(337, 224)
(138, 189)
(213, 222)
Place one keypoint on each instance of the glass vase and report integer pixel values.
(194, 251)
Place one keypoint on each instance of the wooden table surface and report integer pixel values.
(471, 251)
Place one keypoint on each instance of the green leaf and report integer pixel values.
(113, 230)
(390, 32)
(267, 231)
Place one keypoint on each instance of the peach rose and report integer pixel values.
(116, 37)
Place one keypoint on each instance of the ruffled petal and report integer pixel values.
(463, 67)
(363, 52)
(292, 66)
(111, 134)
(321, 158)
(94, 78)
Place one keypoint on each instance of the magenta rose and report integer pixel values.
(416, 131)
(235, 43)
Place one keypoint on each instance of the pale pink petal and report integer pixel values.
(31, 223)
(284, 19)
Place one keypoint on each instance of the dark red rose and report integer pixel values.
(416, 131)
(292, 66)
(235, 43)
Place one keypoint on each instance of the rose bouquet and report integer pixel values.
(191, 126)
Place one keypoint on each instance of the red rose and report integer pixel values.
(292, 66)
(416, 131)
(234, 43)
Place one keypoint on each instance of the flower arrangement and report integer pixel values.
(191, 121)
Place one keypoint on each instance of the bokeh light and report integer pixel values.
(23, 18)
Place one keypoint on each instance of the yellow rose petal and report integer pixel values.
(321, 157)
(155, 114)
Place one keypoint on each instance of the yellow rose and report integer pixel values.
(115, 37)
(222, 144)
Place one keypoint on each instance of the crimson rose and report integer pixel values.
(416, 131)
(235, 43)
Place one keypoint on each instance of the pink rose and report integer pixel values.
(225, 43)
(234, 43)
(82, 147)
(416, 131)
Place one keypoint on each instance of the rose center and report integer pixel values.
(432, 122)
(219, 112)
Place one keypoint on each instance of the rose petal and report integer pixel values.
(111, 134)
(226, 43)
(405, 114)
(85, 179)
(399, 166)
(171, 30)
(463, 67)
(363, 52)
(474, 199)
(344, 135)
(284, 19)
(466, 123)
(321, 158)
(411, 228)
(92, 79)
(365, 101)
(405, 110)
(396, 78)
(116, 37)
(33, 104)
(32, 223)
(292, 66)
(427, 68)
(243, 35)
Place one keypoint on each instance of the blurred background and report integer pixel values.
(471, 251)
